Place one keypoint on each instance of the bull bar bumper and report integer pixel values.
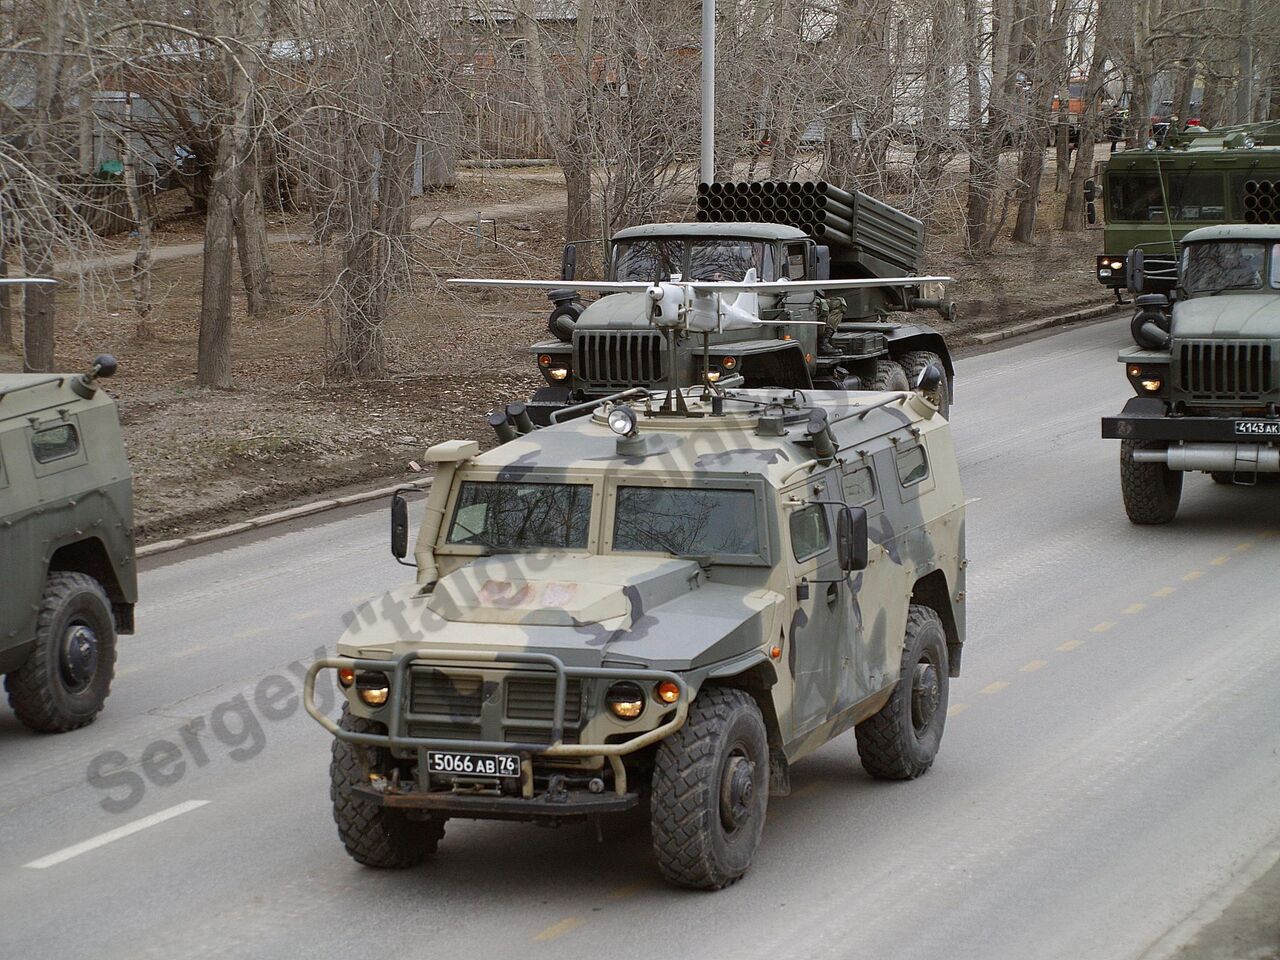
(1145, 418)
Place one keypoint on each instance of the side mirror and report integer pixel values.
(1090, 190)
(1134, 276)
(399, 526)
(569, 262)
(104, 365)
(930, 379)
(851, 539)
(820, 268)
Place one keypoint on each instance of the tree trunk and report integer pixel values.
(251, 236)
(6, 305)
(213, 354)
(361, 286)
(1073, 214)
(141, 279)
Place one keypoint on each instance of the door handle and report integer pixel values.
(833, 593)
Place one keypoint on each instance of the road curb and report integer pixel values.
(1044, 323)
(278, 516)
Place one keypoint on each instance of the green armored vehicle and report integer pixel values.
(820, 333)
(1206, 373)
(659, 602)
(1154, 195)
(66, 543)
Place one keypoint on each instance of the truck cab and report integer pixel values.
(1206, 372)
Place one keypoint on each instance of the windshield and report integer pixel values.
(1191, 197)
(686, 523)
(1214, 267)
(711, 259)
(521, 516)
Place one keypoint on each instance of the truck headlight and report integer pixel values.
(626, 700)
(558, 373)
(1151, 384)
(713, 375)
(373, 688)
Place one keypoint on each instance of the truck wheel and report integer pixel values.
(889, 376)
(915, 361)
(710, 791)
(374, 835)
(65, 681)
(1151, 490)
(900, 742)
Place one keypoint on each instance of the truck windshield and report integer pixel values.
(686, 522)
(521, 516)
(1214, 267)
(1191, 197)
(711, 259)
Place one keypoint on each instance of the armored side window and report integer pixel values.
(795, 261)
(810, 534)
(859, 486)
(913, 465)
(54, 443)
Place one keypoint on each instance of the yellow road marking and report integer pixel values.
(567, 925)
(994, 687)
(1034, 665)
(630, 890)
(1102, 627)
(1070, 645)
(957, 708)
(1242, 547)
(246, 634)
(1193, 575)
(1135, 608)
(1219, 561)
(306, 615)
(1165, 592)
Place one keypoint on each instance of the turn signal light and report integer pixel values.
(544, 360)
(346, 676)
(729, 362)
(667, 692)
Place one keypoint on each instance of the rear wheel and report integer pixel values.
(889, 375)
(915, 362)
(1151, 490)
(900, 742)
(373, 835)
(65, 682)
(710, 791)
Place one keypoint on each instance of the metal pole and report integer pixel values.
(708, 90)
(1244, 92)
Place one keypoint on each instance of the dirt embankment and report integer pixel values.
(287, 432)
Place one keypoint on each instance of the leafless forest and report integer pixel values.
(340, 112)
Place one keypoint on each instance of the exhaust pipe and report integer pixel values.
(1243, 458)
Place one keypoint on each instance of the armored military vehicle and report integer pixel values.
(824, 335)
(1206, 373)
(1154, 195)
(661, 601)
(66, 539)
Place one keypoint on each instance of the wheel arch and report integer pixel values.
(90, 557)
(758, 680)
(923, 339)
(933, 591)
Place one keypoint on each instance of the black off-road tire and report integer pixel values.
(889, 375)
(915, 361)
(44, 692)
(698, 844)
(900, 742)
(374, 835)
(1151, 490)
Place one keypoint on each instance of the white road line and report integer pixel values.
(111, 836)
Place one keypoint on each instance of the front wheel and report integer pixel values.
(900, 742)
(711, 791)
(1151, 490)
(65, 682)
(373, 835)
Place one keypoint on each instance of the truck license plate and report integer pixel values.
(1258, 428)
(474, 764)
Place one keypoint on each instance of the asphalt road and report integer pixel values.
(1112, 758)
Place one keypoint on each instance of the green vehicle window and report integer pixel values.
(54, 443)
(1191, 197)
(522, 516)
(686, 522)
(810, 534)
(647, 260)
(730, 259)
(912, 466)
(1214, 267)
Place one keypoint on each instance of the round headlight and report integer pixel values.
(622, 421)
(373, 688)
(713, 375)
(1249, 142)
(558, 373)
(1150, 144)
(626, 700)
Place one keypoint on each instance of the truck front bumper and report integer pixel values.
(474, 797)
(1229, 444)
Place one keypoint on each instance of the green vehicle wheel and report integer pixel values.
(373, 835)
(1151, 490)
(711, 791)
(66, 680)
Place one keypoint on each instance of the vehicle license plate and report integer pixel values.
(1258, 428)
(474, 764)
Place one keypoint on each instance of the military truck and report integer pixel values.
(1206, 373)
(656, 603)
(66, 539)
(1154, 195)
(813, 335)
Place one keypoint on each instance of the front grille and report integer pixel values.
(445, 695)
(533, 698)
(618, 359)
(536, 735)
(1224, 369)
